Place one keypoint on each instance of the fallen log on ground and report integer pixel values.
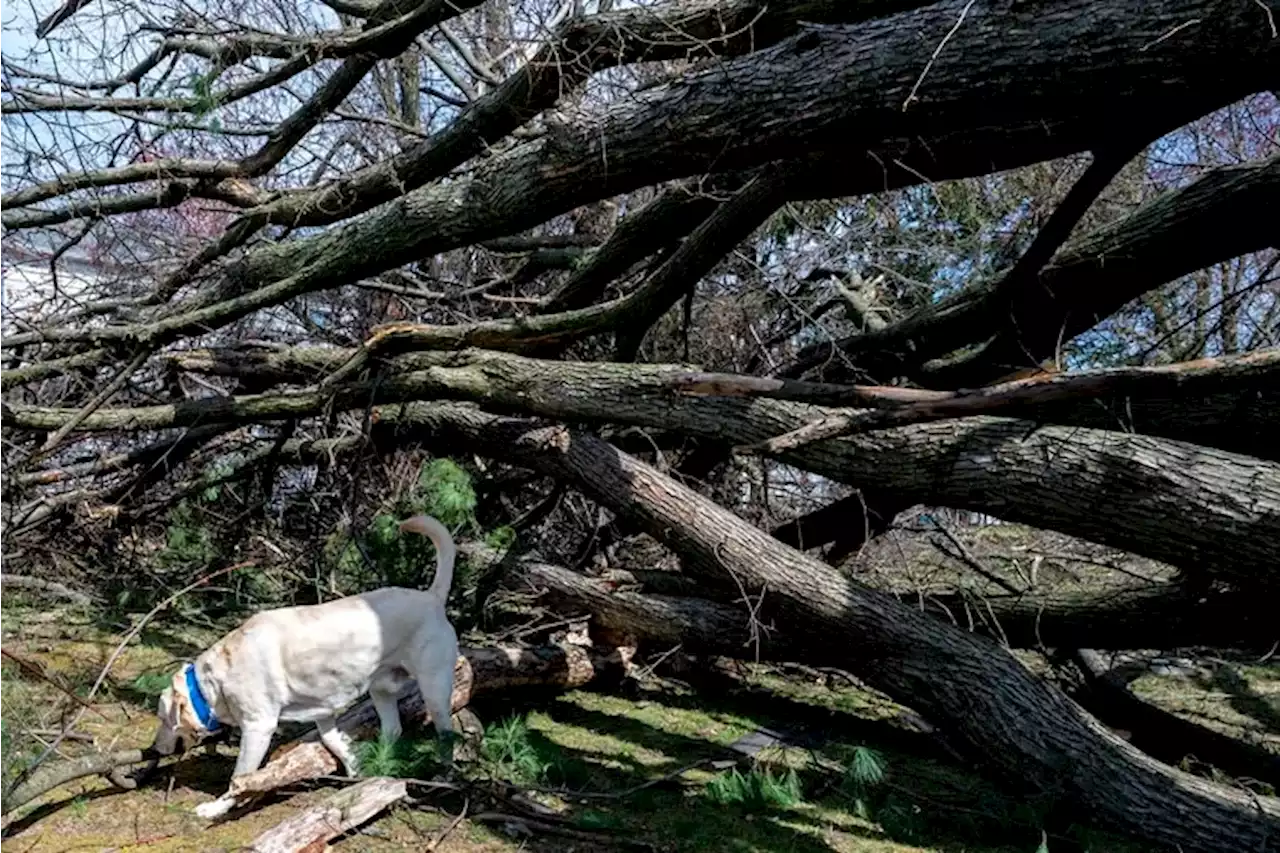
(1155, 616)
(1164, 734)
(340, 812)
(712, 627)
(53, 775)
(1071, 766)
(480, 671)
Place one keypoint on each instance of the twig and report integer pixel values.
(635, 789)
(96, 403)
(439, 839)
(1271, 17)
(966, 556)
(38, 671)
(911, 96)
(556, 829)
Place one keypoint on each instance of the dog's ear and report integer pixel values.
(184, 715)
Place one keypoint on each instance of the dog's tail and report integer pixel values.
(446, 551)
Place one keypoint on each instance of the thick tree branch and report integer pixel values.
(1106, 486)
(1017, 725)
(579, 47)
(655, 227)
(1025, 272)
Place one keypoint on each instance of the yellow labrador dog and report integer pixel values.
(307, 664)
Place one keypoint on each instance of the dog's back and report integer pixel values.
(317, 659)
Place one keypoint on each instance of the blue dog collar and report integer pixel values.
(198, 703)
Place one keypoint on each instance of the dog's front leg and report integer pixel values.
(254, 743)
(336, 742)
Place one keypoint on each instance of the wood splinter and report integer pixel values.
(312, 829)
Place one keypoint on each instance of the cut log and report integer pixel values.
(311, 830)
(1018, 726)
(480, 671)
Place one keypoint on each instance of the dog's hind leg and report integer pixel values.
(435, 680)
(335, 740)
(385, 692)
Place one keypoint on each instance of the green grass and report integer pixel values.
(510, 752)
(404, 758)
(758, 790)
(151, 684)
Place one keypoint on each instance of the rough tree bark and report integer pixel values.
(1015, 724)
(716, 627)
(1155, 616)
(1208, 511)
(1014, 86)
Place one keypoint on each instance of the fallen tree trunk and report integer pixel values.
(312, 829)
(701, 626)
(1015, 724)
(1208, 511)
(1164, 734)
(480, 671)
(1158, 616)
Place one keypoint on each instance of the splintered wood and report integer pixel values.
(310, 831)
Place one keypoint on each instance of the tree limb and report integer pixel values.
(1017, 725)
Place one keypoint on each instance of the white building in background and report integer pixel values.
(30, 290)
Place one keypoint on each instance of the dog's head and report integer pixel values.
(179, 725)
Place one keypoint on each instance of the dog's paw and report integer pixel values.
(215, 809)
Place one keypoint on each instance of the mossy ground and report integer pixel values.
(592, 750)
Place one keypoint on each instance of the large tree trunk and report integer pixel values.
(1015, 724)
(1208, 511)
(1158, 616)
(1014, 86)
(1242, 422)
(713, 627)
